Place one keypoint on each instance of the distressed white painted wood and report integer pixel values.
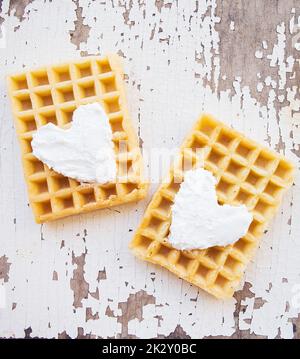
(76, 277)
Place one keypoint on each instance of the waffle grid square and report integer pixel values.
(51, 94)
(246, 173)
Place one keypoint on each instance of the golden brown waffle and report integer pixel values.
(247, 173)
(51, 94)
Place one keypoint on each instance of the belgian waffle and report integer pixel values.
(51, 94)
(246, 173)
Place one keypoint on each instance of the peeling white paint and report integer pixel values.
(259, 54)
(265, 44)
(167, 89)
(260, 87)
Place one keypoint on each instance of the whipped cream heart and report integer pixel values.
(198, 221)
(85, 151)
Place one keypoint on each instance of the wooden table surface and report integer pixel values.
(76, 277)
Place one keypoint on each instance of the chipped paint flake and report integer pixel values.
(259, 303)
(178, 333)
(260, 87)
(78, 284)
(4, 268)
(90, 315)
(18, 8)
(55, 275)
(259, 54)
(101, 275)
(81, 31)
(132, 308)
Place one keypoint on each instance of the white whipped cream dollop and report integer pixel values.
(85, 151)
(198, 221)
